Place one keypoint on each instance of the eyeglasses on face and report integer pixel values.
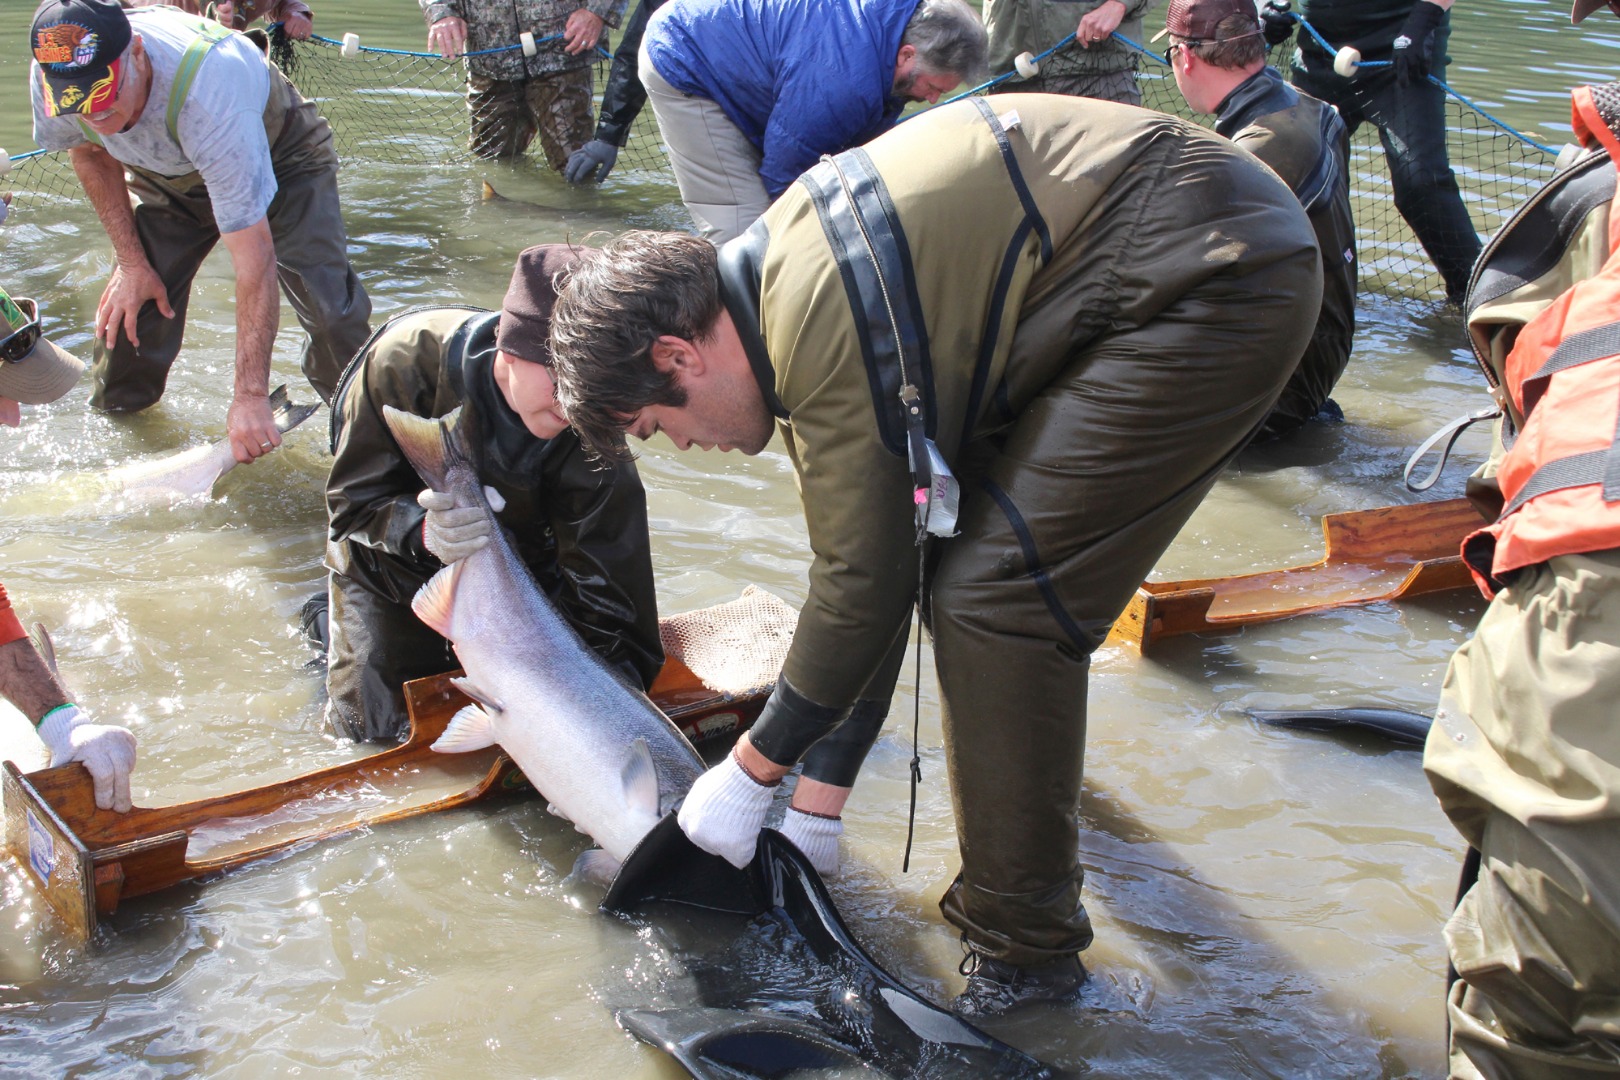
(1193, 43)
(21, 342)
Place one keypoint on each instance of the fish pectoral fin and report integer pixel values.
(432, 602)
(640, 778)
(472, 690)
(596, 865)
(470, 729)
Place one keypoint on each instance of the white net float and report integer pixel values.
(1346, 60)
(528, 43)
(351, 46)
(5, 162)
(1026, 66)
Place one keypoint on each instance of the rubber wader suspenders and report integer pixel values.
(935, 493)
(209, 34)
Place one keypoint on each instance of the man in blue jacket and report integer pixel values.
(750, 93)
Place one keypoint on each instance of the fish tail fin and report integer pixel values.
(470, 729)
(287, 414)
(433, 601)
(491, 195)
(433, 447)
(640, 778)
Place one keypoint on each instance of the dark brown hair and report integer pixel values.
(610, 310)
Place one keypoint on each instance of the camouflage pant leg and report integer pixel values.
(1525, 758)
(506, 115)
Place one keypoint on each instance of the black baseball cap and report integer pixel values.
(78, 50)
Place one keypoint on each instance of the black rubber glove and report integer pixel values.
(1415, 46)
(593, 161)
(1279, 21)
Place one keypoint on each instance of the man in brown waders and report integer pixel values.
(214, 144)
(1082, 311)
(1524, 753)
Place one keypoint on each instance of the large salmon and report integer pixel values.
(602, 753)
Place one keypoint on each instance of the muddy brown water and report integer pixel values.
(1267, 903)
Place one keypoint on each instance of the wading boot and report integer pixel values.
(995, 986)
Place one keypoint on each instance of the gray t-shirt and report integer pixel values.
(221, 124)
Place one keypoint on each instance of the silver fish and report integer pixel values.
(603, 754)
(193, 473)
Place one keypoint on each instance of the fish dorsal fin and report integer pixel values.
(470, 729)
(640, 778)
(474, 691)
(433, 601)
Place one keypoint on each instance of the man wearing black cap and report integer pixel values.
(581, 530)
(1218, 57)
(214, 144)
(1524, 754)
(34, 371)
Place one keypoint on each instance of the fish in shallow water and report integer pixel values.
(490, 195)
(603, 754)
(1398, 726)
(192, 473)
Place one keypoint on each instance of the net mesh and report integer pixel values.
(736, 648)
(394, 106)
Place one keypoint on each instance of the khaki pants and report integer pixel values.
(506, 116)
(716, 167)
(1525, 758)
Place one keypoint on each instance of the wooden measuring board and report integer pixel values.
(1372, 555)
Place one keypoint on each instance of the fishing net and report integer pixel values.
(395, 106)
(737, 648)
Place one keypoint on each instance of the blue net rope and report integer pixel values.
(392, 105)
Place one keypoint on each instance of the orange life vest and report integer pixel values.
(1560, 479)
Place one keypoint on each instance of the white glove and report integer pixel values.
(816, 837)
(454, 532)
(107, 751)
(724, 812)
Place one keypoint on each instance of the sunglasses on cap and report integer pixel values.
(21, 342)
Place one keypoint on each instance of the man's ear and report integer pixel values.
(671, 353)
(906, 53)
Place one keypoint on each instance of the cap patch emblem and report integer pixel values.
(65, 45)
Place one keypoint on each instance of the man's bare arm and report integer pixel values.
(27, 682)
(258, 313)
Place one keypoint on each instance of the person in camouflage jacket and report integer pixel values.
(1095, 65)
(512, 97)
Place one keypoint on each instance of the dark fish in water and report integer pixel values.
(1402, 728)
(874, 1023)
